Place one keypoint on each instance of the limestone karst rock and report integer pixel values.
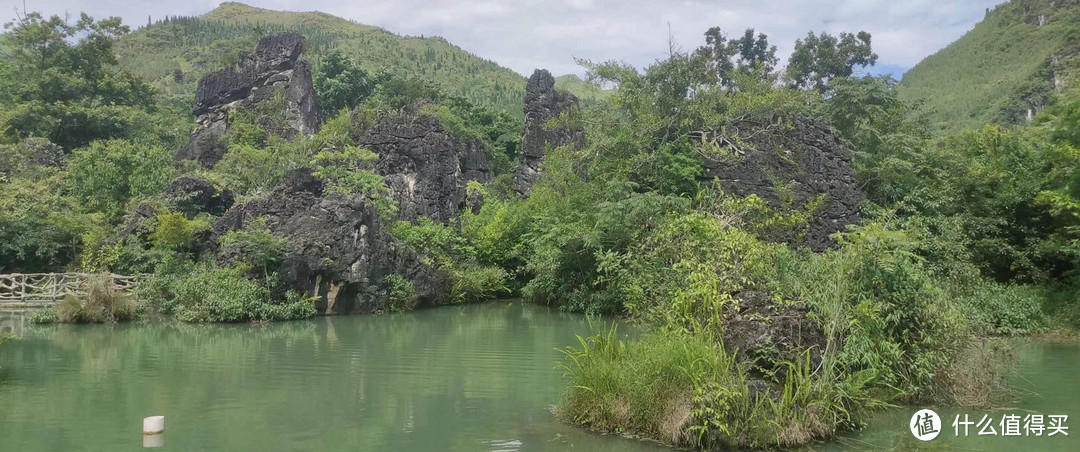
(192, 196)
(424, 166)
(542, 103)
(338, 246)
(273, 72)
(793, 152)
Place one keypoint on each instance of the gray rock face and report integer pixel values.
(31, 152)
(45, 153)
(794, 152)
(192, 196)
(425, 168)
(338, 247)
(254, 80)
(759, 330)
(542, 103)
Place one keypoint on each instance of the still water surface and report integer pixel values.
(1048, 380)
(477, 377)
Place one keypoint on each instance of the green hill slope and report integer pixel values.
(174, 53)
(582, 89)
(1012, 61)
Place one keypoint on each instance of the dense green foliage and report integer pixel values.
(60, 82)
(964, 233)
(817, 59)
(205, 292)
(1011, 62)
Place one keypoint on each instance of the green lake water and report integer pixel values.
(1047, 379)
(470, 378)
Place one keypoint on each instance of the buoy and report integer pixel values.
(153, 425)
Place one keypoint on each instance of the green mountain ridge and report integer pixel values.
(1007, 67)
(172, 54)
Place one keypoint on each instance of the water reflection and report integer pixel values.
(458, 378)
(15, 321)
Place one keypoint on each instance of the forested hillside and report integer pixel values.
(1012, 62)
(173, 53)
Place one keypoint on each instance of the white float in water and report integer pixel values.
(153, 430)
(153, 425)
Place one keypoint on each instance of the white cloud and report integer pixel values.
(526, 34)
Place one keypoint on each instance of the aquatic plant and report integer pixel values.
(101, 302)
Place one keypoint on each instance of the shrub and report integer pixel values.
(351, 172)
(102, 303)
(880, 309)
(400, 293)
(208, 293)
(444, 248)
(473, 282)
(45, 316)
(1005, 308)
(173, 232)
(254, 245)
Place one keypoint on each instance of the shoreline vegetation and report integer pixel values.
(965, 237)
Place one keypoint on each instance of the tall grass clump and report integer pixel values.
(685, 389)
(101, 303)
(642, 387)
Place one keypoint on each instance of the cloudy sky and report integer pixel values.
(526, 34)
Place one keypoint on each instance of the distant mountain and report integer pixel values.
(582, 89)
(175, 52)
(1010, 64)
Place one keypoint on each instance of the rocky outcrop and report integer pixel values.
(338, 246)
(760, 154)
(193, 196)
(256, 79)
(424, 166)
(543, 103)
(337, 249)
(45, 153)
(31, 152)
(765, 333)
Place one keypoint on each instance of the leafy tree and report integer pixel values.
(748, 54)
(341, 83)
(61, 82)
(820, 58)
(882, 131)
(40, 226)
(174, 232)
(106, 174)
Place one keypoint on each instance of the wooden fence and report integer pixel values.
(47, 288)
